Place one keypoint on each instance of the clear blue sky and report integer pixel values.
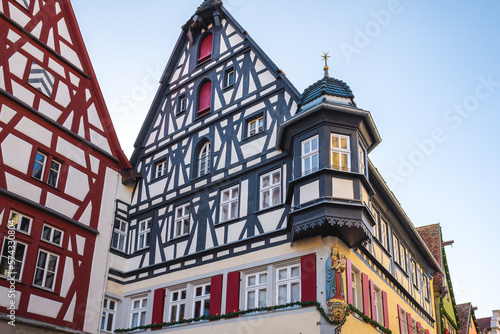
(428, 71)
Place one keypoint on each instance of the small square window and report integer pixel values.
(182, 104)
(52, 235)
(160, 169)
(229, 203)
(255, 126)
(43, 161)
(229, 77)
(20, 222)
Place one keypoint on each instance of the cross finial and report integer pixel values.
(325, 58)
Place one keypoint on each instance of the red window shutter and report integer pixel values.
(366, 294)
(233, 292)
(409, 322)
(308, 277)
(401, 322)
(419, 327)
(205, 98)
(385, 306)
(215, 295)
(205, 48)
(348, 289)
(372, 300)
(158, 306)
(426, 331)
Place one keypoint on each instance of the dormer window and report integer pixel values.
(205, 98)
(340, 152)
(205, 52)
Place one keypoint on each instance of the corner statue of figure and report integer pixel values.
(334, 267)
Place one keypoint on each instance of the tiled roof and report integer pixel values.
(464, 316)
(431, 234)
(326, 86)
(484, 323)
(208, 3)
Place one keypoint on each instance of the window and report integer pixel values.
(403, 322)
(46, 268)
(402, 251)
(108, 315)
(177, 305)
(120, 231)
(356, 288)
(362, 160)
(181, 220)
(204, 160)
(427, 288)
(395, 245)
(288, 284)
(138, 314)
(229, 77)
(205, 98)
(414, 270)
(12, 250)
(143, 233)
(182, 103)
(256, 290)
(377, 302)
(229, 203)
(20, 222)
(42, 160)
(160, 169)
(270, 189)
(40, 79)
(52, 235)
(310, 161)
(384, 232)
(201, 300)
(255, 126)
(340, 152)
(376, 218)
(205, 52)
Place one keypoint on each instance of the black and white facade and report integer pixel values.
(244, 185)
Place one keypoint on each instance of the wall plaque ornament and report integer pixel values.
(335, 265)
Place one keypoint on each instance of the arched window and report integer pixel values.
(205, 98)
(205, 48)
(204, 159)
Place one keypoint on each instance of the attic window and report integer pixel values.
(205, 48)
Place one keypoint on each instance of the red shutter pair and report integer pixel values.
(205, 48)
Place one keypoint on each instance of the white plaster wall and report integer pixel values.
(309, 192)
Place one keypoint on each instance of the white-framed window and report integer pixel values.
(402, 251)
(181, 223)
(415, 268)
(46, 269)
(41, 161)
(340, 152)
(16, 250)
(356, 288)
(362, 160)
(427, 287)
(177, 305)
(160, 168)
(270, 189)
(377, 302)
(120, 233)
(229, 203)
(256, 290)
(201, 300)
(229, 77)
(376, 218)
(255, 126)
(182, 103)
(20, 222)
(310, 156)
(288, 284)
(384, 232)
(108, 315)
(204, 160)
(405, 322)
(143, 233)
(52, 235)
(395, 245)
(138, 312)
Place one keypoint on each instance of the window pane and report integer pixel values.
(282, 274)
(207, 290)
(173, 313)
(197, 307)
(135, 319)
(265, 181)
(235, 192)
(251, 280)
(42, 257)
(198, 291)
(306, 147)
(282, 294)
(343, 143)
(224, 212)
(206, 309)
(110, 322)
(265, 200)
(137, 304)
(46, 233)
(262, 298)
(276, 177)
(25, 224)
(276, 195)
(183, 294)
(19, 252)
(263, 279)
(38, 277)
(315, 162)
(335, 142)
(314, 144)
(49, 280)
(234, 209)
(37, 171)
(175, 296)
(143, 318)
(335, 161)
(251, 299)
(295, 272)
(103, 320)
(181, 311)
(295, 292)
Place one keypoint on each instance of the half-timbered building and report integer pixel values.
(258, 208)
(60, 168)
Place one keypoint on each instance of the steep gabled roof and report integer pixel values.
(466, 315)
(484, 324)
(431, 235)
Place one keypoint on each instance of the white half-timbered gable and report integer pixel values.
(60, 168)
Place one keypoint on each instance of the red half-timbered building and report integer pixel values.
(60, 172)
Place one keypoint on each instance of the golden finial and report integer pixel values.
(325, 58)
